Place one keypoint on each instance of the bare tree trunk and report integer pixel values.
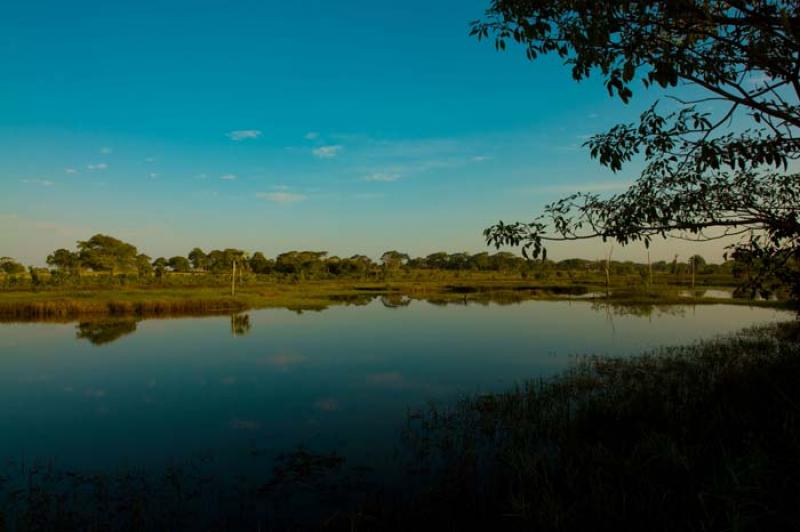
(608, 272)
(233, 279)
(649, 271)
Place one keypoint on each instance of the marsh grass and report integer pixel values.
(702, 437)
(155, 301)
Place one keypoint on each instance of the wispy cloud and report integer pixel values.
(369, 195)
(153, 175)
(327, 152)
(312, 135)
(97, 166)
(228, 177)
(480, 158)
(149, 159)
(70, 171)
(569, 188)
(105, 150)
(243, 134)
(201, 176)
(282, 197)
(381, 177)
(42, 182)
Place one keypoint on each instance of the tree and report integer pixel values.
(260, 264)
(394, 259)
(199, 259)
(65, 261)
(11, 267)
(143, 265)
(106, 253)
(706, 176)
(179, 264)
(159, 266)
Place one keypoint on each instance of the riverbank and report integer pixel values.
(317, 295)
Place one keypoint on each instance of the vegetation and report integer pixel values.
(708, 176)
(106, 276)
(703, 437)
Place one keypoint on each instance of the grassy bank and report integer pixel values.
(703, 437)
(154, 301)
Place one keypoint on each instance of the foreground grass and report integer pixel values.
(702, 437)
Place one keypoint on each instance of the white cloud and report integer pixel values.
(42, 182)
(480, 158)
(201, 176)
(327, 152)
(70, 171)
(243, 134)
(153, 175)
(227, 177)
(381, 177)
(105, 150)
(282, 197)
(312, 135)
(593, 115)
(97, 166)
(149, 159)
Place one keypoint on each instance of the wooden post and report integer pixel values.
(649, 271)
(233, 279)
(608, 272)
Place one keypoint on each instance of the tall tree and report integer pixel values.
(706, 176)
(179, 264)
(106, 253)
(11, 267)
(198, 259)
(64, 260)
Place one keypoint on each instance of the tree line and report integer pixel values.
(109, 255)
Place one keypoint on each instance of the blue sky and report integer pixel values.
(347, 126)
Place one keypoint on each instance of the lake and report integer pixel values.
(105, 395)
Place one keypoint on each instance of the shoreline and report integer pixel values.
(30, 305)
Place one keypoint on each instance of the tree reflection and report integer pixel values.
(240, 324)
(104, 331)
(395, 300)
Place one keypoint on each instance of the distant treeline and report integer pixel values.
(103, 254)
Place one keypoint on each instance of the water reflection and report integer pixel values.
(336, 382)
(639, 310)
(105, 331)
(240, 324)
(395, 300)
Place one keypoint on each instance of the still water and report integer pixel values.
(95, 396)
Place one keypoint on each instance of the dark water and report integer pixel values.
(96, 396)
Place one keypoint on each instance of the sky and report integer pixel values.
(347, 126)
